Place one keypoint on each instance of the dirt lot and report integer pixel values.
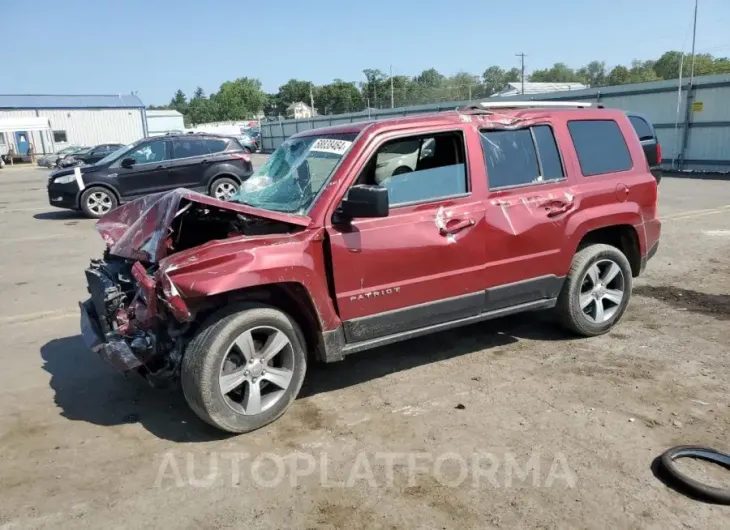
(506, 424)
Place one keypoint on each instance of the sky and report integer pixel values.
(154, 47)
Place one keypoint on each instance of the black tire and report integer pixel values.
(401, 170)
(718, 495)
(568, 307)
(204, 356)
(220, 181)
(89, 210)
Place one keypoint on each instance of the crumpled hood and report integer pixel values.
(137, 230)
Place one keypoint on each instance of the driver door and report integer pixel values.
(423, 264)
(150, 173)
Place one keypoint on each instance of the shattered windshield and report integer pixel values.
(294, 174)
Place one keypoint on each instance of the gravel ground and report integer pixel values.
(505, 424)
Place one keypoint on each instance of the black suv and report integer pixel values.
(208, 163)
(90, 155)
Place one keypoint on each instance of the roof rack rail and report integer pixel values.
(486, 105)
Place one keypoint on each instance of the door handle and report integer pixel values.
(204, 161)
(162, 166)
(558, 208)
(456, 225)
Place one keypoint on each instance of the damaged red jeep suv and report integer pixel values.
(360, 235)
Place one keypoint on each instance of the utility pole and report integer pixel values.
(311, 99)
(522, 77)
(392, 96)
(690, 95)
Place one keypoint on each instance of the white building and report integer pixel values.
(164, 121)
(515, 89)
(76, 120)
(300, 110)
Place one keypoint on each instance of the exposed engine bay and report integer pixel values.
(137, 315)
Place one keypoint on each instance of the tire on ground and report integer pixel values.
(85, 197)
(220, 180)
(204, 356)
(568, 306)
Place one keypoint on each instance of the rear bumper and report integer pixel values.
(114, 350)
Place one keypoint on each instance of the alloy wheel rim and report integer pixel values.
(602, 291)
(99, 202)
(225, 191)
(257, 370)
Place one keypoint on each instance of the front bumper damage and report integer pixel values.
(113, 349)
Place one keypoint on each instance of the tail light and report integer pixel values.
(658, 153)
(242, 156)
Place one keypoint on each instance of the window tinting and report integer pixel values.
(600, 146)
(642, 128)
(215, 145)
(547, 149)
(511, 158)
(187, 147)
(59, 136)
(421, 169)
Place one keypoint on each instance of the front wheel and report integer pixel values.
(597, 290)
(243, 371)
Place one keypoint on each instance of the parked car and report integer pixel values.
(649, 142)
(52, 159)
(88, 156)
(248, 143)
(321, 256)
(207, 163)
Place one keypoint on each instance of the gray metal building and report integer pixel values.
(693, 123)
(81, 119)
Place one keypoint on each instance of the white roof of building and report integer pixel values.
(162, 112)
(538, 88)
(22, 124)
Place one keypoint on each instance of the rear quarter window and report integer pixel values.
(642, 128)
(216, 145)
(600, 146)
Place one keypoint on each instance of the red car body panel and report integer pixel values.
(421, 253)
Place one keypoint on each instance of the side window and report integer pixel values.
(187, 147)
(551, 167)
(420, 169)
(642, 128)
(600, 146)
(216, 145)
(151, 152)
(59, 136)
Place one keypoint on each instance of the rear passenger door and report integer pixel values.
(191, 158)
(530, 202)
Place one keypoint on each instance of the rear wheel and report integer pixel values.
(96, 202)
(597, 290)
(224, 189)
(243, 371)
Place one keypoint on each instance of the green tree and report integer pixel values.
(593, 74)
(559, 73)
(619, 75)
(239, 100)
(464, 85)
(179, 102)
(493, 79)
(642, 71)
(338, 97)
(199, 110)
(294, 90)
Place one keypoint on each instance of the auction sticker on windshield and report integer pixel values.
(331, 145)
